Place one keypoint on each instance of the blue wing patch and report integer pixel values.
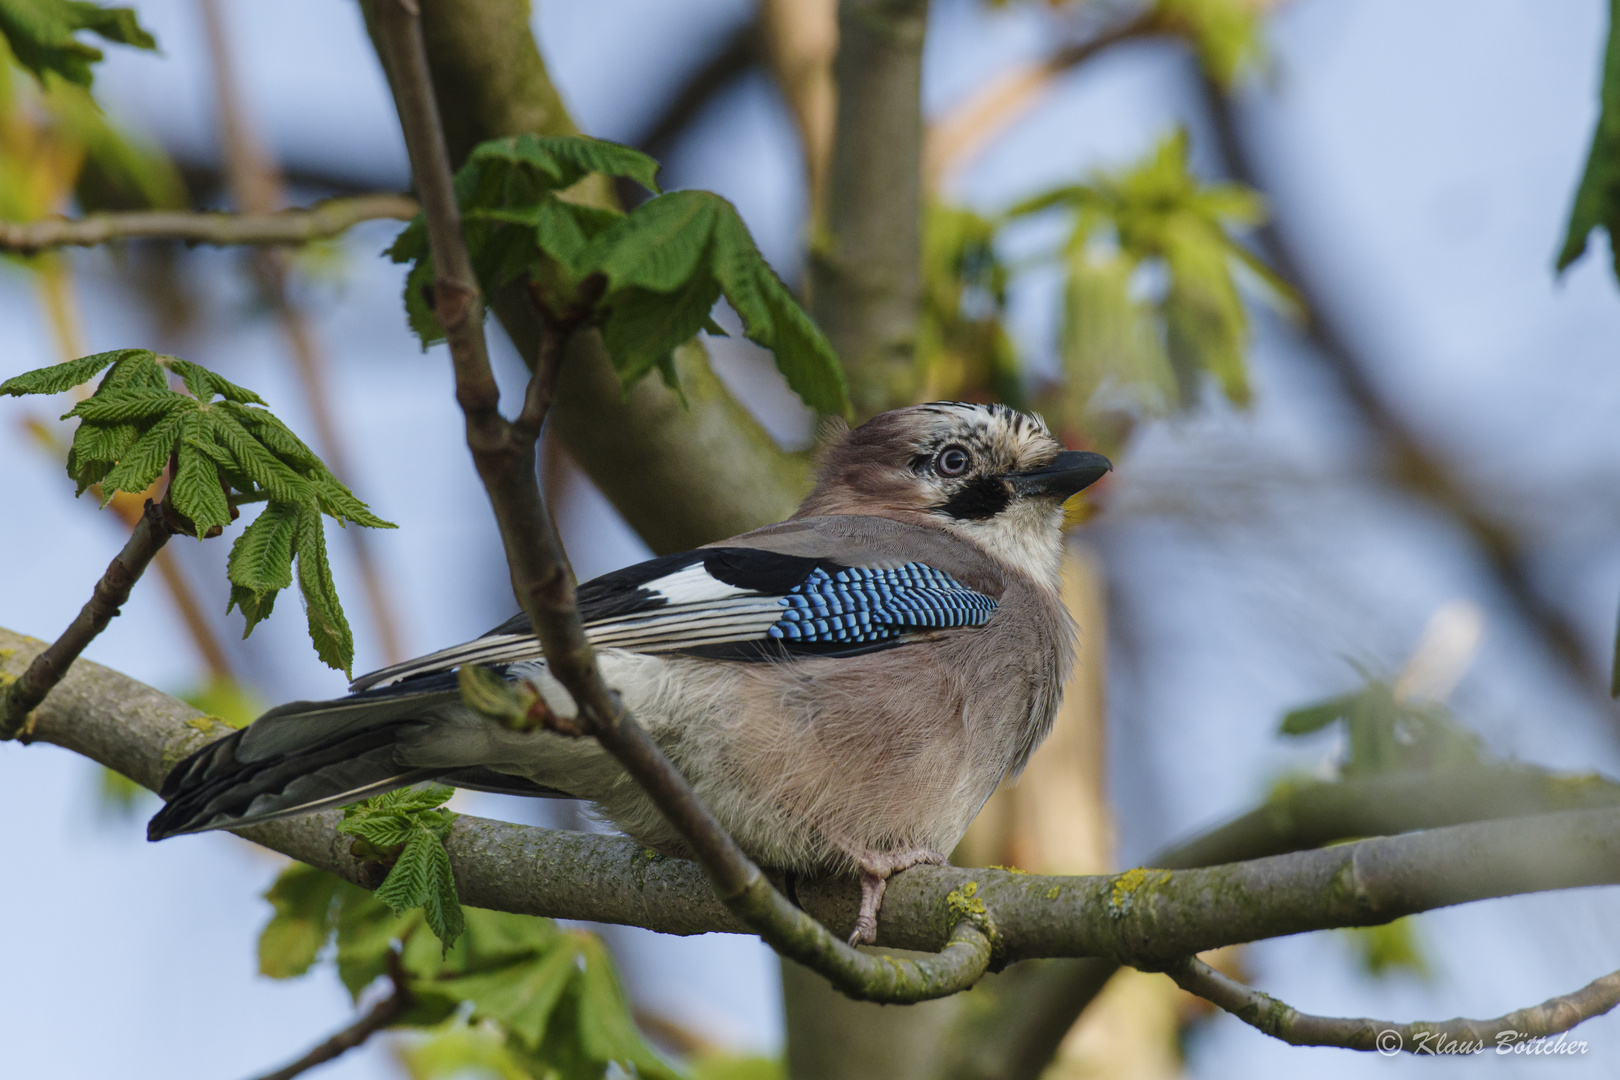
(867, 606)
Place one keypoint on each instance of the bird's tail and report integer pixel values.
(300, 757)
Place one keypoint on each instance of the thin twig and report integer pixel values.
(24, 695)
(323, 220)
(379, 1016)
(1458, 1036)
(505, 458)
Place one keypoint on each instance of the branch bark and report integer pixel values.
(1459, 1036)
(865, 275)
(323, 220)
(1152, 918)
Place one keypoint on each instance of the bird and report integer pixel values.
(843, 689)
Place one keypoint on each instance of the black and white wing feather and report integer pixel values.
(737, 604)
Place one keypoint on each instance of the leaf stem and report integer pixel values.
(151, 532)
(504, 454)
(321, 221)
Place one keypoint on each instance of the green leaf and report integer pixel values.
(205, 385)
(1597, 199)
(276, 437)
(41, 34)
(61, 377)
(328, 629)
(131, 405)
(366, 933)
(195, 490)
(255, 461)
(422, 878)
(658, 245)
(96, 449)
(137, 370)
(1387, 949)
(606, 1031)
(260, 565)
(643, 328)
(339, 503)
(773, 319)
(143, 464)
(563, 160)
(302, 897)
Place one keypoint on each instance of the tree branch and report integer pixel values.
(1459, 1036)
(379, 1016)
(48, 667)
(1033, 1007)
(505, 457)
(1151, 917)
(325, 219)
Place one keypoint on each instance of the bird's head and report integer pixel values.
(989, 473)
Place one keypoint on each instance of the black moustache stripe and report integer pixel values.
(979, 498)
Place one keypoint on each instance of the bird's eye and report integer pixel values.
(952, 461)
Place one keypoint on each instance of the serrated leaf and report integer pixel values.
(772, 317)
(62, 377)
(138, 369)
(275, 435)
(255, 461)
(41, 34)
(642, 328)
(422, 878)
(117, 408)
(328, 629)
(96, 448)
(564, 160)
(522, 997)
(145, 460)
(302, 897)
(260, 564)
(340, 503)
(205, 385)
(195, 490)
(658, 245)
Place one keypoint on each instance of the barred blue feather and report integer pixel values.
(865, 605)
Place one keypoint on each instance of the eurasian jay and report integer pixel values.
(844, 689)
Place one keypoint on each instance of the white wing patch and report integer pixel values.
(697, 610)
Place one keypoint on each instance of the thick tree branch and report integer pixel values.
(48, 667)
(378, 1017)
(865, 261)
(1033, 1006)
(1458, 1036)
(325, 219)
(1151, 917)
(505, 457)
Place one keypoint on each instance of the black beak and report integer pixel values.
(1071, 471)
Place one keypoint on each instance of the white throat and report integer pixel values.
(1027, 536)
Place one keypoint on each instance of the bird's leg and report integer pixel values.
(875, 869)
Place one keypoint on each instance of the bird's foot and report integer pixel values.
(875, 868)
